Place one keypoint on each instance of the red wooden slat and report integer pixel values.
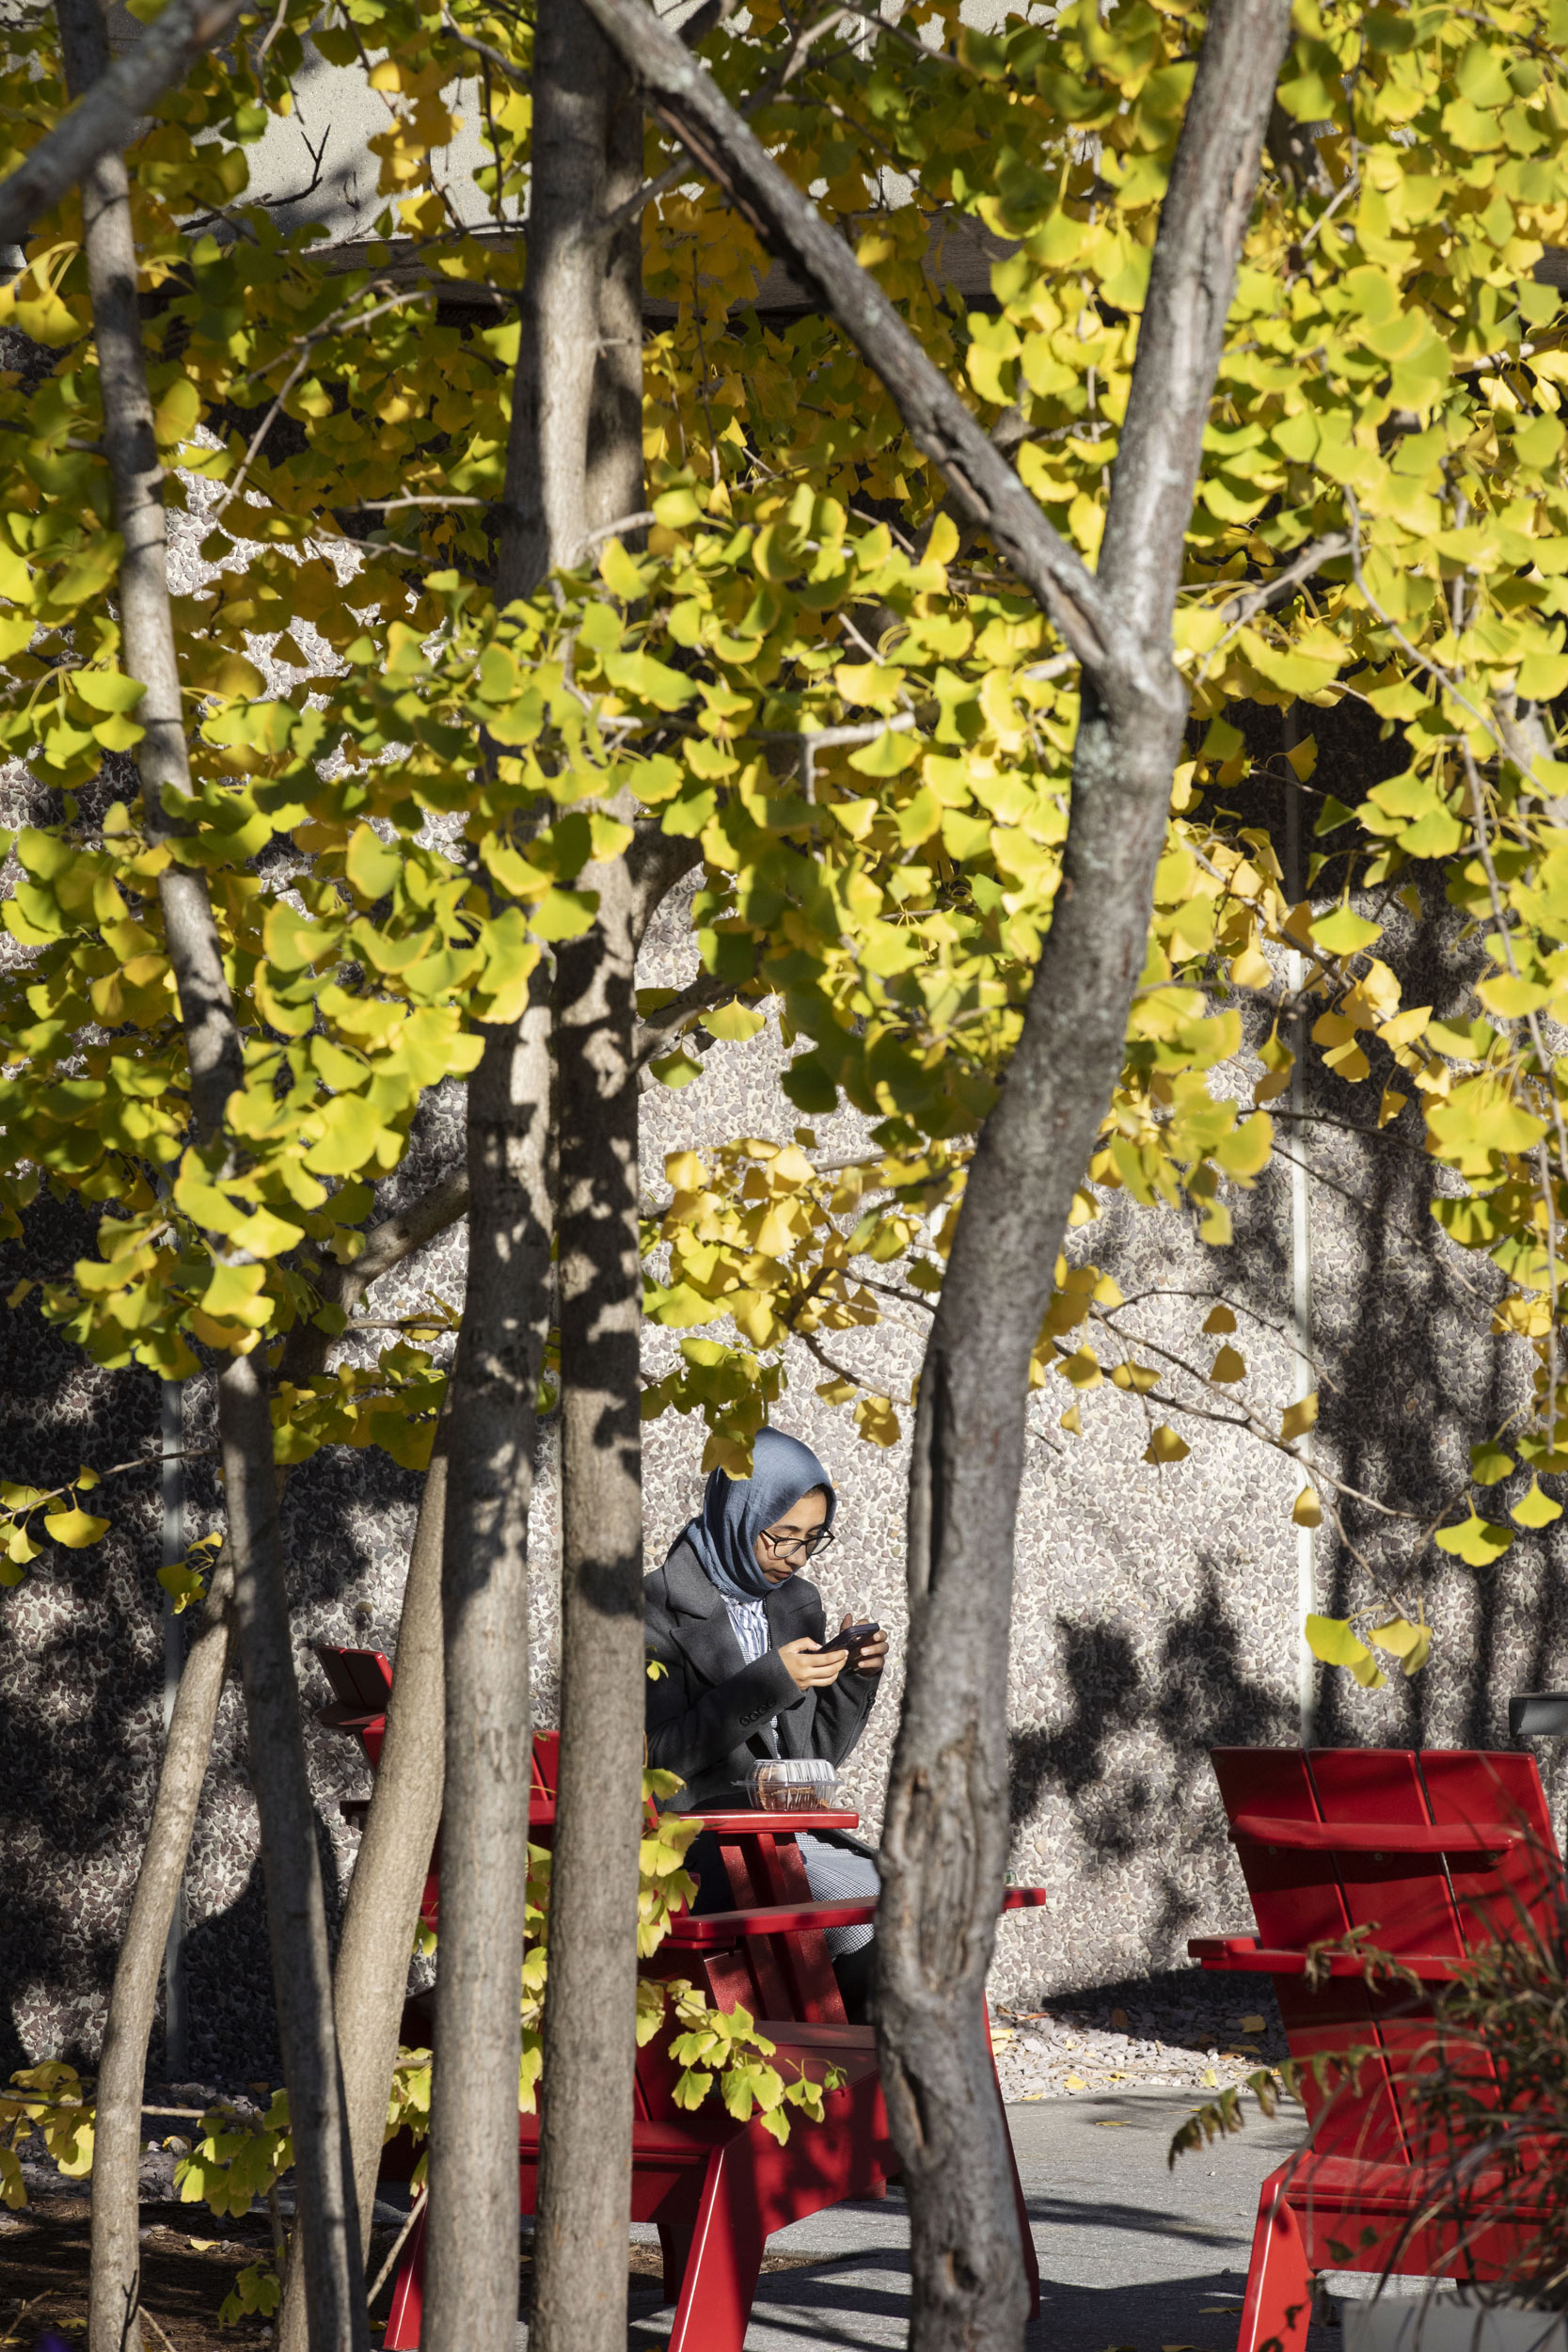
(1245, 1954)
(744, 1822)
(360, 1677)
(1297, 1900)
(1294, 1894)
(692, 1932)
(1516, 1897)
(765, 1867)
(769, 1986)
(546, 1750)
(1402, 1895)
(1374, 1838)
(780, 1866)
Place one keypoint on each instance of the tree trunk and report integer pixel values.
(590, 1999)
(297, 1910)
(588, 159)
(471, 2259)
(114, 2291)
(372, 1976)
(544, 516)
(327, 2237)
(944, 1838)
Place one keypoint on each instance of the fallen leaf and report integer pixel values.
(1253, 2024)
(1076, 2082)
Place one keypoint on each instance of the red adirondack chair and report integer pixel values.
(716, 2189)
(769, 1954)
(1434, 1854)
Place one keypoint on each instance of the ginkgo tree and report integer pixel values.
(829, 679)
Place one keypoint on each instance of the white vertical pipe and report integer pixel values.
(172, 1430)
(1303, 1380)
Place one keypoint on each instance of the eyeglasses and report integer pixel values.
(798, 1548)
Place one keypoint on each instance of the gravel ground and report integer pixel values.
(1187, 2030)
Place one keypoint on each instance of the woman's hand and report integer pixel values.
(810, 1668)
(872, 1656)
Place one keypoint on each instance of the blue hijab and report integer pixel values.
(736, 1510)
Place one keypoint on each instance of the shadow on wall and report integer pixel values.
(81, 1691)
(234, 2018)
(1411, 1371)
(1198, 1693)
(1201, 1696)
(81, 1668)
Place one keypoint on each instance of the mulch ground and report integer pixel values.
(186, 2272)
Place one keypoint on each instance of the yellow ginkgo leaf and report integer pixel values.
(1336, 1643)
(1166, 1446)
(1419, 1652)
(74, 1528)
(1309, 1511)
(1399, 1636)
(1219, 1319)
(1298, 1419)
(1535, 1509)
(1072, 1420)
(1229, 1365)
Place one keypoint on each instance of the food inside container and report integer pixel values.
(792, 1785)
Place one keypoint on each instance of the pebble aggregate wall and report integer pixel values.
(1156, 1608)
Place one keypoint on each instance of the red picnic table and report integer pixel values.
(716, 2189)
(1433, 1854)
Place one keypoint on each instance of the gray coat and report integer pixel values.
(707, 1708)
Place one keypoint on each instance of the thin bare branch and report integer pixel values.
(657, 1030)
(1274, 591)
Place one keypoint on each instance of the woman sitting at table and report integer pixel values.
(741, 1635)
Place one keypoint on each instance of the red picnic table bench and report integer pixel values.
(1433, 1854)
(717, 2190)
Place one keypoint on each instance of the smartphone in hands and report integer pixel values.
(852, 1638)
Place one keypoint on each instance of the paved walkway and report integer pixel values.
(1133, 2257)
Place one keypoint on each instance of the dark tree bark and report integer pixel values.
(327, 2231)
(296, 1906)
(944, 1838)
(544, 518)
(371, 1978)
(471, 2259)
(113, 2325)
(590, 1999)
(577, 464)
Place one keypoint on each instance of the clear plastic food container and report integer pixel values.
(792, 1785)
